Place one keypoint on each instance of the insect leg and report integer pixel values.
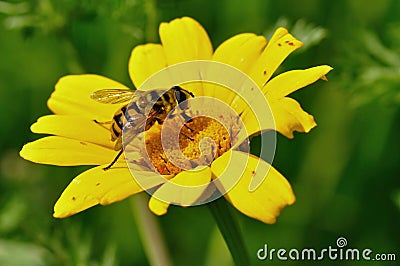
(114, 161)
(187, 119)
(186, 136)
(102, 124)
(161, 122)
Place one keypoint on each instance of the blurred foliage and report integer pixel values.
(345, 173)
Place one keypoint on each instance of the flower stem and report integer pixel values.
(150, 232)
(230, 230)
(151, 20)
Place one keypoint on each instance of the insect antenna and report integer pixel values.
(187, 119)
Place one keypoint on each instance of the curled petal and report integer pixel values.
(290, 117)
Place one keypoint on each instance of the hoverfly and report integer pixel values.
(132, 117)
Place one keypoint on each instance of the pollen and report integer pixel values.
(201, 141)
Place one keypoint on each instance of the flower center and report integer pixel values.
(201, 141)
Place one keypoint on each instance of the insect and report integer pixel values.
(145, 108)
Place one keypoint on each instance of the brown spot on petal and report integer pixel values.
(98, 184)
(73, 198)
(83, 143)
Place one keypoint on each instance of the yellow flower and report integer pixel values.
(77, 140)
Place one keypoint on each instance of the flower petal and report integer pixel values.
(266, 202)
(75, 127)
(62, 151)
(290, 81)
(145, 179)
(252, 124)
(241, 51)
(184, 189)
(72, 97)
(157, 206)
(289, 117)
(184, 39)
(92, 186)
(146, 60)
(279, 47)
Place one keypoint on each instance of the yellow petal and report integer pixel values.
(290, 81)
(90, 187)
(146, 60)
(215, 91)
(256, 117)
(74, 127)
(184, 189)
(62, 151)
(157, 206)
(266, 202)
(72, 97)
(279, 47)
(145, 179)
(241, 51)
(184, 39)
(289, 117)
(252, 124)
(227, 170)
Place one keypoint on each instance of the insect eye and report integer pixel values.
(180, 97)
(153, 96)
(142, 102)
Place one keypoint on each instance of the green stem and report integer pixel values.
(151, 20)
(150, 232)
(73, 64)
(230, 230)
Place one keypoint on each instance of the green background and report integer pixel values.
(345, 173)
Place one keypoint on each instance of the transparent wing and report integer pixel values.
(113, 96)
(138, 123)
(135, 126)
